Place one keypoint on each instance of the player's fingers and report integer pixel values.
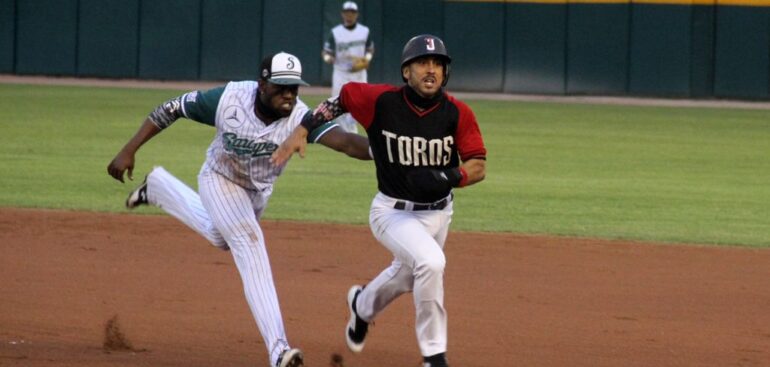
(275, 157)
(119, 176)
(281, 155)
(114, 172)
(131, 173)
(302, 151)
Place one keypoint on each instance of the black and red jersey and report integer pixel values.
(404, 138)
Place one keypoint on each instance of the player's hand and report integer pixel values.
(429, 182)
(296, 142)
(121, 163)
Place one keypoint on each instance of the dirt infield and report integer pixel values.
(512, 300)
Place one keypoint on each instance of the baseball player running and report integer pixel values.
(350, 49)
(251, 118)
(424, 143)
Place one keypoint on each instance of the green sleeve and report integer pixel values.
(318, 132)
(369, 43)
(201, 106)
(330, 45)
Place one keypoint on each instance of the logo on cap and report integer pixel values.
(431, 45)
(285, 69)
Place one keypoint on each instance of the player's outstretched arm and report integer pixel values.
(326, 111)
(160, 118)
(354, 145)
(124, 160)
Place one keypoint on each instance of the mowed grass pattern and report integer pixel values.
(689, 175)
(664, 174)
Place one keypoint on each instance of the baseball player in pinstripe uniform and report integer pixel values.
(349, 49)
(251, 118)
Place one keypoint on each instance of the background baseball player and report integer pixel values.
(350, 49)
(252, 119)
(424, 143)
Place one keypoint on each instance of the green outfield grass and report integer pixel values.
(646, 173)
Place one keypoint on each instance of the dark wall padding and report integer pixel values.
(46, 36)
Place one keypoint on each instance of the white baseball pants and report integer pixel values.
(340, 78)
(416, 239)
(227, 215)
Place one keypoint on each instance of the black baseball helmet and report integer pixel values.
(425, 45)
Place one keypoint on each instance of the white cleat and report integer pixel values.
(291, 358)
(138, 196)
(355, 333)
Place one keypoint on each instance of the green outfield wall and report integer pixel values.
(7, 35)
(669, 48)
(222, 55)
(108, 45)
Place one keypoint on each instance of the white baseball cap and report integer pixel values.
(282, 68)
(349, 5)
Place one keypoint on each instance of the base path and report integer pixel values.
(512, 300)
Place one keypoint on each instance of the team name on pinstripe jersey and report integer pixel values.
(242, 148)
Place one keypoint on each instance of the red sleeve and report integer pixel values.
(360, 99)
(469, 142)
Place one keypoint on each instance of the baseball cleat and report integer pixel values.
(438, 360)
(290, 358)
(355, 333)
(138, 196)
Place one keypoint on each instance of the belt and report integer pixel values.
(438, 205)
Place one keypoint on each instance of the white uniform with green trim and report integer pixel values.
(346, 44)
(235, 184)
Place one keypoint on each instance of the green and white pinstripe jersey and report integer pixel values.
(243, 143)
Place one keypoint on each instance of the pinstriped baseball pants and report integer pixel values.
(227, 215)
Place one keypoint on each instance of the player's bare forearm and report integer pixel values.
(296, 142)
(146, 132)
(124, 160)
(353, 145)
(476, 169)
